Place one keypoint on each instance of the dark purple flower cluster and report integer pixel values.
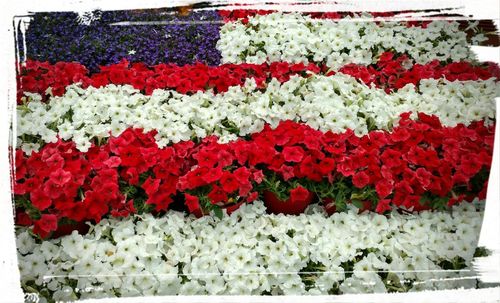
(152, 37)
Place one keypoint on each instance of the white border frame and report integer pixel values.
(10, 290)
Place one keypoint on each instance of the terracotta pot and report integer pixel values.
(288, 207)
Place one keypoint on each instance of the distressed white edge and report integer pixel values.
(489, 9)
(10, 290)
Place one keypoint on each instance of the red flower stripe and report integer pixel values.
(419, 165)
(244, 14)
(389, 73)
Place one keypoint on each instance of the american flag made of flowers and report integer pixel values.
(249, 152)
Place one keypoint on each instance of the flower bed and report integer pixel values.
(297, 38)
(412, 167)
(389, 73)
(324, 156)
(291, 255)
(334, 103)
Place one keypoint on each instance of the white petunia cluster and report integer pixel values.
(252, 253)
(328, 103)
(293, 37)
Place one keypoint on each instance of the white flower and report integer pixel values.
(73, 244)
(191, 288)
(49, 250)
(25, 243)
(66, 293)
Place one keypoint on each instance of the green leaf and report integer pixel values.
(218, 212)
(340, 204)
(357, 203)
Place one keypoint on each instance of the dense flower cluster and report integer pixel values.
(297, 38)
(156, 36)
(37, 77)
(60, 182)
(391, 72)
(290, 255)
(51, 79)
(419, 165)
(328, 103)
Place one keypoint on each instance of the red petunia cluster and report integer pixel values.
(215, 179)
(62, 182)
(418, 165)
(37, 77)
(389, 73)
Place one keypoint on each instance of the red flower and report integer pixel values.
(383, 206)
(287, 172)
(162, 200)
(53, 159)
(95, 207)
(47, 223)
(391, 158)
(431, 120)
(242, 174)
(299, 194)
(326, 166)
(207, 158)
(131, 175)
(99, 80)
(229, 182)
(252, 196)
(404, 187)
(424, 177)
(258, 176)
(384, 188)
(307, 166)
(454, 200)
(346, 167)
(149, 155)
(40, 200)
(162, 170)
(192, 202)
(293, 153)
(60, 177)
(400, 135)
(429, 159)
(411, 201)
(212, 175)
(130, 156)
(217, 195)
(52, 189)
(470, 166)
(360, 179)
(151, 185)
(112, 162)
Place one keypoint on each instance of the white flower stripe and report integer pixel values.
(333, 103)
(307, 254)
(293, 37)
